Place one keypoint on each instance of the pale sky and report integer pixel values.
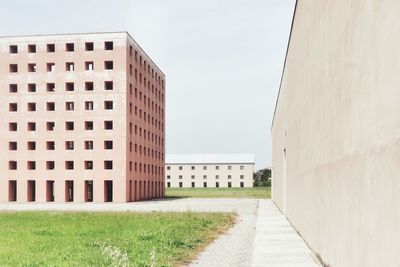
(222, 60)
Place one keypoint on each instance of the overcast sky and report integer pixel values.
(222, 60)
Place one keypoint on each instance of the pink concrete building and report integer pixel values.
(82, 119)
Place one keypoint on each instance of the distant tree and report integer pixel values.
(261, 178)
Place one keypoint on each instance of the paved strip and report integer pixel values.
(276, 243)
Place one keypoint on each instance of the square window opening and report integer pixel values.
(69, 125)
(69, 86)
(108, 65)
(108, 145)
(88, 105)
(108, 85)
(69, 165)
(108, 165)
(13, 49)
(69, 106)
(13, 107)
(108, 45)
(13, 88)
(13, 68)
(51, 67)
(89, 86)
(89, 65)
(89, 46)
(31, 126)
(88, 165)
(31, 165)
(108, 125)
(50, 145)
(12, 146)
(69, 145)
(31, 87)
(31, 48)
(69, 66)
(89, 145)
(89, 125)
(31, 67)
(50, 106)
(50, 125)
(31, 145)
(108, 105)
(51, 48)
(50, 165)
(31, 106)
(12, 165)
(70, 47)
(12, 126)
(50, 87)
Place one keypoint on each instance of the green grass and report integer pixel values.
(255, 192)
(89, 239)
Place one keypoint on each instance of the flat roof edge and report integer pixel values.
(284, 64)
(60, 34)
(87, 33)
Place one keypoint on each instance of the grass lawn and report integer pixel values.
(106, 239)
(255, 192)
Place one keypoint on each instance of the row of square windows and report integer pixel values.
(88, 125)
(146, 151)
(69, 87)
(158, 94)
(69, 66)
(88, 105)
(146, 100)
(69, 165)
(87, 165)
(229, 167)
(69, 126)
(205, 176)
(89, 46)
(89, 65)
(89, 86)
(147, 168)
(69, 47)
(51, 145)
(146, 134)
(193, 184)
(88, 145)
(69, 106)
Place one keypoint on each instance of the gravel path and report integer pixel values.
(232, 249)
(236, 246)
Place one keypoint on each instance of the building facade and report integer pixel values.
(336, 131)
(219, 170)
(82, 119)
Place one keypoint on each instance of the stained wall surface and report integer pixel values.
(336, 131)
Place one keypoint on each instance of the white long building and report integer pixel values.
(209, 170)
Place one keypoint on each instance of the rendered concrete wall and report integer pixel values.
(337, 117)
